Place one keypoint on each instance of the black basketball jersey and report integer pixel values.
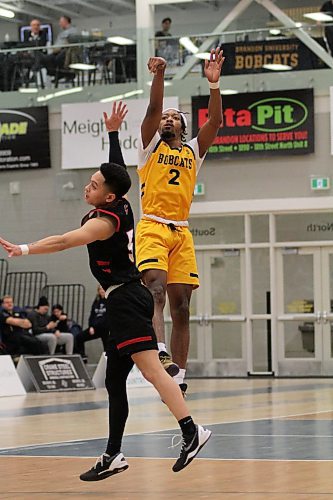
(112, 261)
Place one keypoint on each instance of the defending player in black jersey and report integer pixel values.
(107, 231)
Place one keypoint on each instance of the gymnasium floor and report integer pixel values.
(272, 439)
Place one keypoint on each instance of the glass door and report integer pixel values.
(217, 320)
(327, 309)
(305, 314)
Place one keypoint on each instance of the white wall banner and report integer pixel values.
(85, 142)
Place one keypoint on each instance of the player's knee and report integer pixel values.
(158, 292)
(181, 310)
(150, 374)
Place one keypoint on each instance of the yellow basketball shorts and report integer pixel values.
(172, 250)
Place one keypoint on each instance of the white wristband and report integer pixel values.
(24, 249)
(214, 85)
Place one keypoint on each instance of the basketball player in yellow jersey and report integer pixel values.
(167, 168)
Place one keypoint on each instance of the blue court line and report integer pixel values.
(257, 440)
(195, 396)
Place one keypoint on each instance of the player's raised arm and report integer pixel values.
(113, 124)
(151, 121)
(209, 130)
(95, 229)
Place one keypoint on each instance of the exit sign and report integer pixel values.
(199, 189)
(320, 183)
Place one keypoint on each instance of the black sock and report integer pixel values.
(187, 426)
(113, 448)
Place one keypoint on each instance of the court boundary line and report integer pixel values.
(173, 458)
(163, 433)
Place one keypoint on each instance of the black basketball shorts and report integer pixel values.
(130, 310)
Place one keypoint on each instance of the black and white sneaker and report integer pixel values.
(191, 447)
(105, 466)
(169, 366)
(183, 388)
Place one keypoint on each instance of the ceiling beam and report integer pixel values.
(228, 19)
(299, 33)
(50, 6)
(93, 7)
(26, 11)
(121, 3)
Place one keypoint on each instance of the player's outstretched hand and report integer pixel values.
(114, 121)
(213, 67)
(156, 64)
(11, 249)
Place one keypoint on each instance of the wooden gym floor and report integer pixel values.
(272, 440)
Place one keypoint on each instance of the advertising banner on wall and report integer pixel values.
(24, 138)
(250, 56)
(261, 123)
(85, 141)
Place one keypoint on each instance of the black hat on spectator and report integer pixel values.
(43, 302)
(57, 306)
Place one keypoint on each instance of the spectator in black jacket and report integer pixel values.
(36, 35)
(47, 330)
(98, 328)
(15, 330)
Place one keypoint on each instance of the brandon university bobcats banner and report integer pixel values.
(85, 142)
(24, 138)
(261, 123)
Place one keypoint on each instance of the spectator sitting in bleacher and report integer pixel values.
(97, 324)
(65, 324)
(15, 330)
(47, 330)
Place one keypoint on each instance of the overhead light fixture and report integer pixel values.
(275, 31)
(7, 13)
(160, 2)
(130, 93)
(298, 25)
(277, 67)
(120, 40)
(60, 93)
(28, 90)
(229, 92)
(319, 16)
(203, 55)
(117, 97)
(167, 83)
(188, 44)
(82, 66)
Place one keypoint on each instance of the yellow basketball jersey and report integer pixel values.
(167, 181)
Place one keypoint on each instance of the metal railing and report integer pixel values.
(70, 296)
(25, 287)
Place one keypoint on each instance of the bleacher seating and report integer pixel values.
(3, 273)
(25, 287)
(70, 296)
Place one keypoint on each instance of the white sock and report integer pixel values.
(179, 378)
(161, 347)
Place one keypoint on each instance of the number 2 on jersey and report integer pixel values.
(174, 179)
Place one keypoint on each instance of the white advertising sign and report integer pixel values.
(10, 383)
(85, 142)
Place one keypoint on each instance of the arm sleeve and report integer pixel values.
(115, 154)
